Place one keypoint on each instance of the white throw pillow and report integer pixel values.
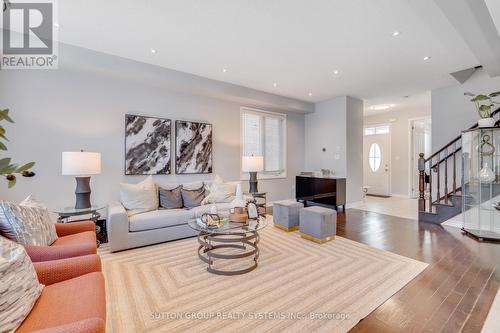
(27, 224)
(139, 198)
(221, 193)
(20, 288)
(32, 201)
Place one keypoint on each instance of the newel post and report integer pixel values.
(421, 182)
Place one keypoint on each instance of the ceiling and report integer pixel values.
(297, 44)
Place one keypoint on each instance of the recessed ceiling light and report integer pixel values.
(381, 107)
(224, 70)
(310, 94)
(427, 58)
(153, 51)
(335, 72)
(395, 33)
(275, 84)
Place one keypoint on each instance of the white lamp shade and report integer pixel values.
(252, 163)
(81, 163)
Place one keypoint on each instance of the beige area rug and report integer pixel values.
(299, 286)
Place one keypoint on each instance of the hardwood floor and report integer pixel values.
(453, 294)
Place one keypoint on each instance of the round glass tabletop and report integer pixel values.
(78, 211)
(229, 227)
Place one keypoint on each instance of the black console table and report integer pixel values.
(328, 191)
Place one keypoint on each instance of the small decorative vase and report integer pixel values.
(486, 175)
(486, 122)
(238, 201)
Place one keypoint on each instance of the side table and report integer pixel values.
(66, 213)
(260, 199)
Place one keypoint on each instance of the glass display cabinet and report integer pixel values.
(481, 183)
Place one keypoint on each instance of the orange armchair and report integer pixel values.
(75, 239)
(73, 299)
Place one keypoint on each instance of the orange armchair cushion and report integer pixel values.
(54, 271)
(72, 245)
(65, 229)
(75, 305)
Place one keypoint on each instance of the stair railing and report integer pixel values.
(437, 190)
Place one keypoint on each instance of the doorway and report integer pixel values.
(377, 159)
(420, 130)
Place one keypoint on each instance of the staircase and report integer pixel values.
(440, 182)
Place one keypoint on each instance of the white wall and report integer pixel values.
(336, 126)
(400, 144)
(354, 149)
(326, 128)
(83, 106)
(452, 112)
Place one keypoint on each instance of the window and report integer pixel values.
(263, 134)
(384, 129)
(374, 157)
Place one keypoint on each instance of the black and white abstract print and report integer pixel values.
(193, 147)
(147, 145)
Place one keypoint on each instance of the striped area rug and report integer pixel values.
(299, 286)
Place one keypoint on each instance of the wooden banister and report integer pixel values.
(434, 163)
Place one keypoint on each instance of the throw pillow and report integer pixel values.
(26, 225)
(19, 289)
(221, 193)
(170, 199)
(139, 198)
(193, 198)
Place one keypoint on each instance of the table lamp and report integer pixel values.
(81, 164)
(253, 164)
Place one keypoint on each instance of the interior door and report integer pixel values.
(376, 164)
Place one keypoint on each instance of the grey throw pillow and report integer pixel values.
(26, 225)
(170, 199)
(193, 198)
(19, 289)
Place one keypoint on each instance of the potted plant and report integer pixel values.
(484, 105)
(7, 168)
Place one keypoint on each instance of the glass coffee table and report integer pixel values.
(230, 241)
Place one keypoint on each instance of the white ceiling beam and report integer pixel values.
(472, 20)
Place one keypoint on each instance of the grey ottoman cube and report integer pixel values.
(286, 214)
(318, 224)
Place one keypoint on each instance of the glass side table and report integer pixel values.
(66, 213)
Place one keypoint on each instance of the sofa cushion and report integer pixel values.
(170, 199)
(139, 198)
(19, 287)
(193, 198)
(86, 237)
(26, 225)
(72, 301)
(159, 219)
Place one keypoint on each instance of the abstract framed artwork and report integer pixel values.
(147, 145)
(193, 147)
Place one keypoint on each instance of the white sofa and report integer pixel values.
(152, 227)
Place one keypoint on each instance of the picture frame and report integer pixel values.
(193, 147)
(252, 210)
(148, 145)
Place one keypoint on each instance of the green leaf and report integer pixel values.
(25, 167)
(2, 146)
(480, 98)
(485, 108)
(8, 169)
(469, 94)
(4, 114)
(4, 162)
(12, 183)
(494, 94)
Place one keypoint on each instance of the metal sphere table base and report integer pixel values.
(245, 241)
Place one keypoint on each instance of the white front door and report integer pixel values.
(376, 163)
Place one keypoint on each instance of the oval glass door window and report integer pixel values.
(374, 157)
